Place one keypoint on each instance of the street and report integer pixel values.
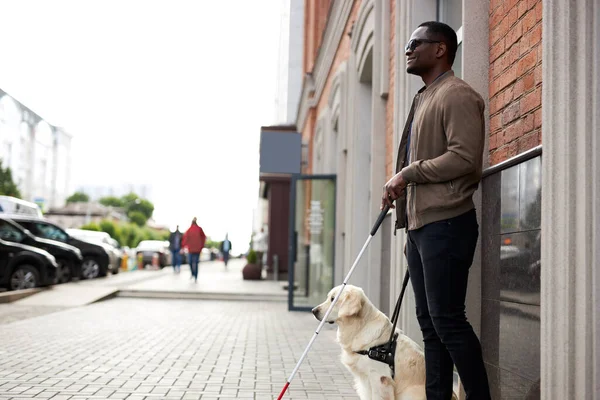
(145, 348)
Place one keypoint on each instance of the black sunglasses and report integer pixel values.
(414, 43)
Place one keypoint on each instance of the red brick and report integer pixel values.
(524, 44)
(507, 77)
(493, 142)
(537, 73)
(538, 119)
(538, 11)
(522, 7)
(539, 50)
(531, 3)
(494, 4)
(540, 136)
(536, 34)
(508, 95)
(514, 54)
(513, 149)
(514, 34)
(511, 113)
(528, 142)
(499, 155)
(511, 132)
(495, 123)
(526, 63)
(497, 16)
(494, 105)
(529, 21)
(497, 50)
(512, 3)
(531, 100)
(499, 32)
(513, 16)
(527, 124)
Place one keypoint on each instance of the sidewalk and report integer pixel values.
(215, 281)
(139, 349)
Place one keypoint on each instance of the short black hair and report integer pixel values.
(444, 33)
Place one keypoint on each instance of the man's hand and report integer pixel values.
(392, 190)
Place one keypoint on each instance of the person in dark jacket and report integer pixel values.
(194, 240)
(175, 240)
(225, 249)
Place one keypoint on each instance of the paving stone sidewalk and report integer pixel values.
(169, 349)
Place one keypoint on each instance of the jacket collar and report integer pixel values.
(437, 81)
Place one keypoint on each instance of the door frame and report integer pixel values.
(293, 242)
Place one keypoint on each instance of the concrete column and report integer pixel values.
(570, 280)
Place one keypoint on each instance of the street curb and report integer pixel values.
(156, 294)
(108, 296)
(14, 295)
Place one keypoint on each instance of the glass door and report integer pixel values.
(312, 235)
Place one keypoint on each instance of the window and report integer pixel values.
(50, 232)
(450, 12)
(10, 233)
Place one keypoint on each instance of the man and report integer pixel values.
(225, 249)
(175, 247)
(438, 169)
(194, 240)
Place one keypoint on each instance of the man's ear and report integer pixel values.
(441, 50)
(352, 302)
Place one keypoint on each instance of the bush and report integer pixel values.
(252, 258)
(92, 226)
(137, 218)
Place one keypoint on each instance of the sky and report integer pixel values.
(168, 93)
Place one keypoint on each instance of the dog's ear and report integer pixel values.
(351, 303)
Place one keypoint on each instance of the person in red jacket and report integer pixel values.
(193, 240)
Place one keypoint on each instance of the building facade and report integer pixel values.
(39, 154)
(534, 283)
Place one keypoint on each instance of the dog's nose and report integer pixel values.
(315, 311)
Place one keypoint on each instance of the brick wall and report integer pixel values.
(515, 77)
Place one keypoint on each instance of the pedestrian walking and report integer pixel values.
(438, 170)
(194, 240)
(175, 239)
(225, 249)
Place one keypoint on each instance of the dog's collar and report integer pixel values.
(383, 353)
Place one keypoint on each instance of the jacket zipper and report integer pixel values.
(413, 189)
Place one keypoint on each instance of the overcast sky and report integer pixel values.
(171, 93)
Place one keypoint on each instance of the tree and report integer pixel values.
(133, 203)
(78, 197)
(7, 186)
(111, 201)
(137, 218)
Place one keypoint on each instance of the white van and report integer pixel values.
(12, 205)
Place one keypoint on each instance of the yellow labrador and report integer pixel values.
(362, 326)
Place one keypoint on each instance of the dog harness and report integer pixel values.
(385, 352)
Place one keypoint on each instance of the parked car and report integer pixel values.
(25, 267)
(68, 258)
(95, 257)
(102, 239)
(147, 248)
(12, 205)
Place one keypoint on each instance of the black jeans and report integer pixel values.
(439, 257)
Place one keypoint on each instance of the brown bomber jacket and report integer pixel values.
(446, 153)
